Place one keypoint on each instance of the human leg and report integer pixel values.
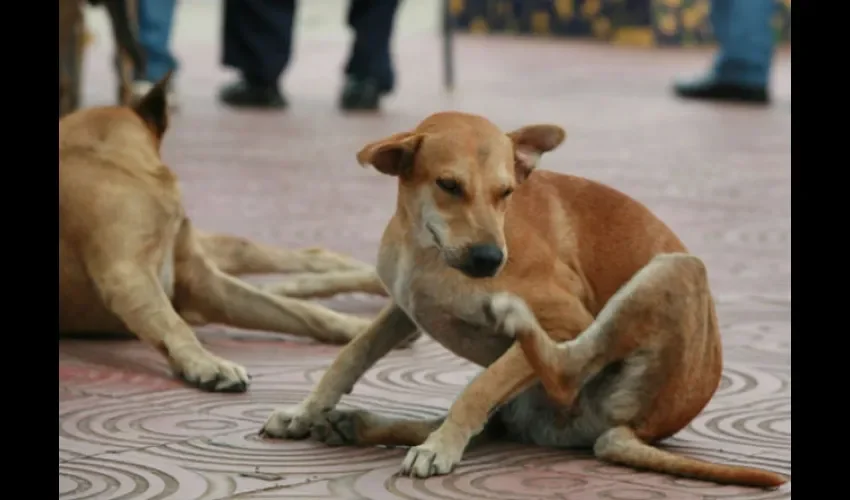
(369, 70)
(746, 44)
(155, 23)
(257, 41)
(746, 52)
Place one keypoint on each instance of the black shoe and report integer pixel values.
(361, 95)
(710, 89)
(246, 95)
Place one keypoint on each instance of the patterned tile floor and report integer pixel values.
(719, 175)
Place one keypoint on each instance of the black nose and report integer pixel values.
(482, 261)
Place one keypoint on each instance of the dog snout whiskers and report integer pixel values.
(433, 232)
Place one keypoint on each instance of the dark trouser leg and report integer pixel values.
(257, 42)
(372, 22)
(369, 69)
(258, 37)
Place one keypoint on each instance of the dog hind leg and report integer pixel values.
(205, 292)
(237, 256)
(664, 304)
(328, 284)
(662, 326)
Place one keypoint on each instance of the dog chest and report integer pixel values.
(440, 321)
(433, 312)
(395, 271)
(472, 342)
(469, 341)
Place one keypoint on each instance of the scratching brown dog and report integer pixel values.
(131, 261)
(617, 344)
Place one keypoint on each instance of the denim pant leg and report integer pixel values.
(156, 18)
(746, 39)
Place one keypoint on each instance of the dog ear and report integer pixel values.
(153, 107)
(530, 143)
(393, 155)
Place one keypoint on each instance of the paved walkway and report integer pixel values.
(720, 176)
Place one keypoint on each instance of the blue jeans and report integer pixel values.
(745, 35)
(156, 18)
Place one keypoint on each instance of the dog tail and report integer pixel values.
(620, 445)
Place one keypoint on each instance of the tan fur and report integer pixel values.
(130, 259)
(617, 343)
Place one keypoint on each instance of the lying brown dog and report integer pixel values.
(130, 260)
(617, 339)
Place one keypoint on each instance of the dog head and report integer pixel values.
(456, 174)
(98, 124)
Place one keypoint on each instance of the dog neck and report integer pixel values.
(402, 261)
(441, 301)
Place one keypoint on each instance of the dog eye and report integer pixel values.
(507, 192)
(450, 186)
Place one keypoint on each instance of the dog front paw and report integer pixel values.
(211, 373)
(332, 427)
(508, 314)
(294, 422)
(432, 458)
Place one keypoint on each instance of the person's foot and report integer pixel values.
(361, 94)
(247, 95)
(711, 89)
(142, 87)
